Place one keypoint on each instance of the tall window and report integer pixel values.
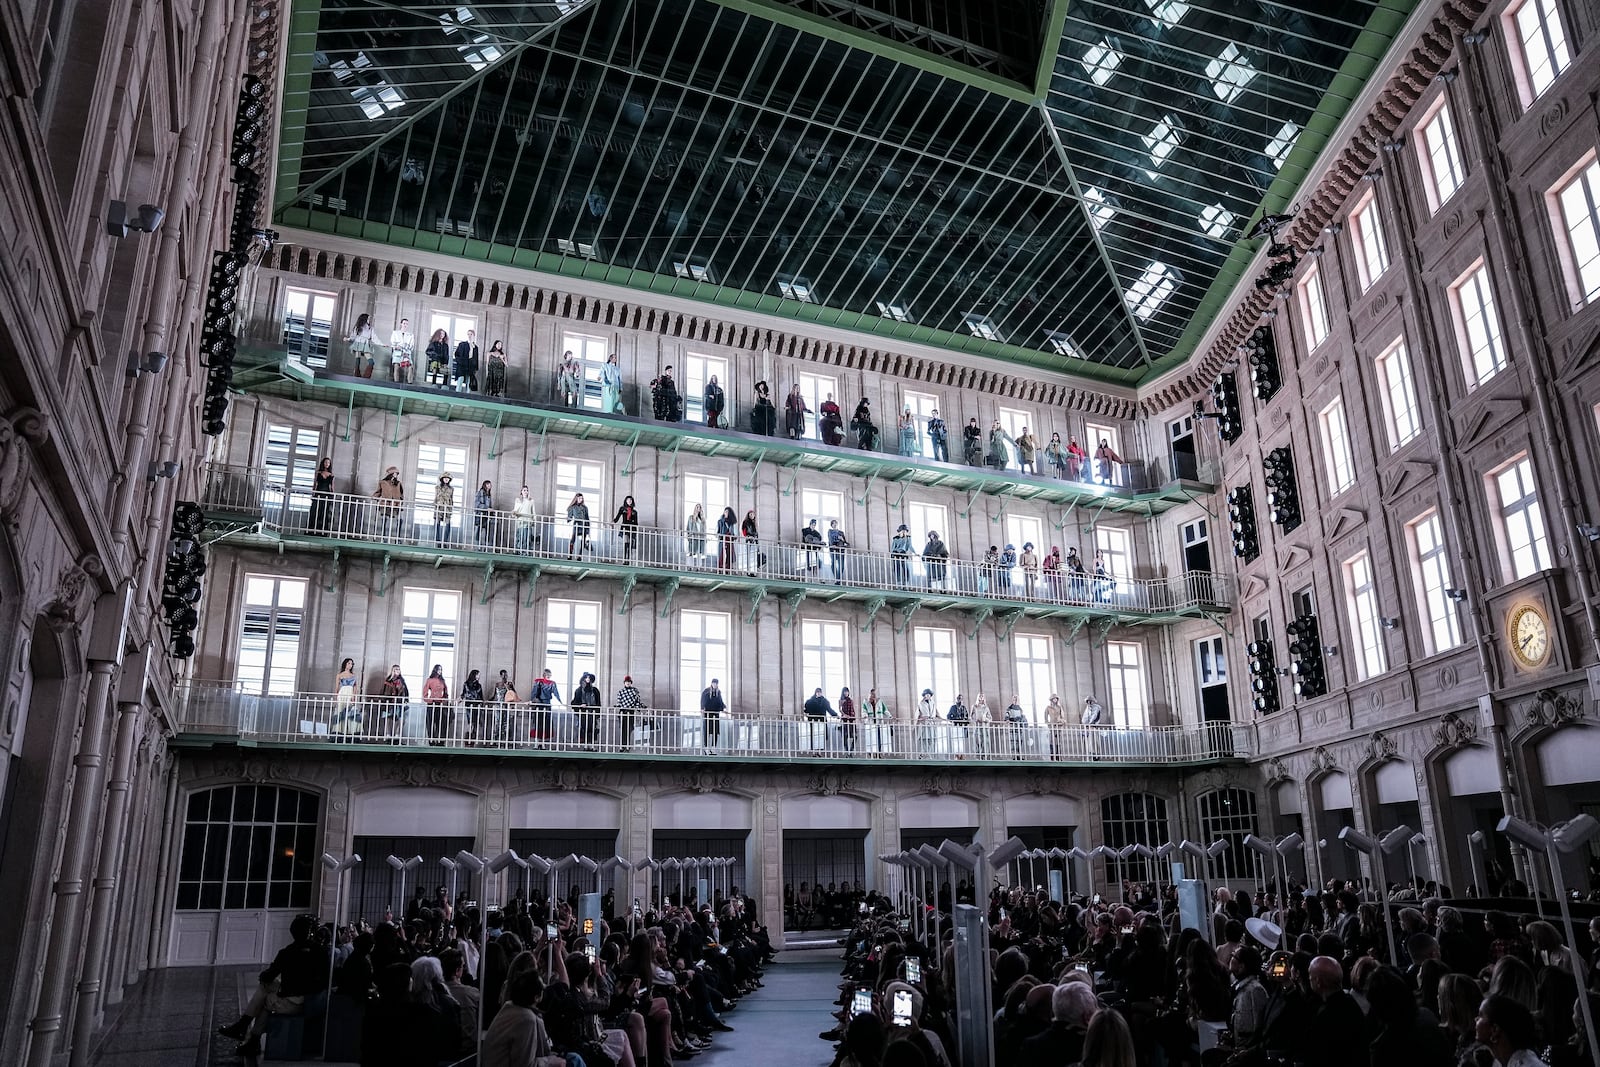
(1125, 667)
(572, 641)
(923, 518)
(712, 496)
(1094, 433)
(702, 655)
(1477, 325)
(824, 657)
(1115, 546)
(1361, 598)
(307, 323)
(1014, 421)
(697, 371)
(574, 476)
(269, 635)
(434, 461)
(248, 846)
(1336, 447)
(1133, 819)
(1431, 577)
(922, 406)
(429, 634)
(1366, 234)
(290, 456)
(823, 505)
(1313, 308)
(1440, 155)
(1401, 417)
(1021, 529)
(816, 388)
(591, 353)
(933, 664)
(1210, 661)
(1543, 52)
(1525, 547)
(1230, 815)
(454, 326)
(1579, 203)
(1036, 675)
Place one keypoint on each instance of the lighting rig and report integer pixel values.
(1242, 521)
(180, 582)
(1305, 657)
(1263, 677)
(1284, 259)
(1260, 353)
(1283, 498)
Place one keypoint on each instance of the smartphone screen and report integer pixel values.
(861, 1004)
(902, 1008)
(588, 953)
(550, 931)
(905, 924)
(1280, 969)
(1081, 968)
(913, 971)
(1002, 915)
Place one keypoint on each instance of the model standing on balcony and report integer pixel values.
(934, 554)
(586, 706)
(900, 551)
(847, 718)
(1103, 584)
(506, 700)
(361, 340)
(794, 413)
(959, 718)
(972, 443)
(392, 717)
(321, 515)
(1077, 578)
(402, 352)
(438, 358)
(483, 517)
(999, 456)
(1026, 449)
(1008, 563)
(876, 715)
(465, 369)
(628, 703)
(569, 377)
(627, 520)
(866, 430)
(665, 401)
(1077, 460)
(694, 531)
(753, 560)
(1016, 724)
(832, 424)
(436, 706)
(927, 722)
(480, 724)
(714, 403)
(444, 507)
(1104, 457)
(1055, 454)
(982, 724)
(526, 513)
(989, 571)
(346, 688)
(545, 693)
(712, 705)
(727, 532)
(390, 496)
(1030, 569)
(578, 520)
(611, 385)
(837, 547)
(811, 549)
(763, 417)
(939, 434)
(494, 382)
(908, 434)
(1052, 573)
(1055, 717)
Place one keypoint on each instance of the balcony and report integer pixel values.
(211, 713)
(251, 508)
(1139, 488)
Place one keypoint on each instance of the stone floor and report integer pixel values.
(170, 1019)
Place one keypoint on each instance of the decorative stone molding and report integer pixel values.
(830, 783)
(1381, 748)
(705, 780)
(1454, 731)
(1273, 772)
(20, 432)
(568, 779)
(65, 610)
(256, 771)
(1038, 783)
(416, 772)
(1550, 708)
(1323, 760)
(939, 783)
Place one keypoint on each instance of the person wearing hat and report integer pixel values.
(989, 570)
(972, 443)
(927, 720)
(444, 507)
(900, 552)
(764, 416)
(866, 430)
(1008, 563)
(390, 496)
(628, 702)
(934, 553)
(586, 706)
(1030, 569)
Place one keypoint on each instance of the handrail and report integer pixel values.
(250, 491)
(222, 710)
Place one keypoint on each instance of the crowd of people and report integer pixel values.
(1303, 980)
(458, 367)
(649, 989)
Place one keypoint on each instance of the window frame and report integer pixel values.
(1526, 509)
(591, 351)
(273, 612)
(1361, 601)
(574, 660)
(428, 472)
(440, 637)
(1557, 48)
(1130, 709)
(921, 412)
(579, 481)
(1399, 392)
(814, 397)
(706, 662)
(698, 367)
(1313, 301)
(1488, 312)
(929, 664)
(1582, 278)
(1439, 116)
(1430, 577)
(1035, 676)
(315, 333)
(293, 452)
(1368, 241)
(696, 490)
(824, 656)
(1333, 426)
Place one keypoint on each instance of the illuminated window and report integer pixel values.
(1477, 325)
(702, 655)
(1282, 144)
(1442, 169)
(573, 477)
(1579, 203)
(697, 373)
(429, 635)
(1114, 546)
(933, 664)
(1542, 51)
(307, 323)
(1400, 412)
(1431, 576)
(1313, 307)
(1361, 599)
(290, 456)
(922, 406)
(1101, 61)
(1151, 290)
(1230, 72)
(1336, 447)
(249, 847)
(1162, 140)
(432, 462)
(1366, 234)
(824, 657)
(1101, 207)
(591, 353)
(269, 635)
(712, 496)
(1126, 675)
(815, 388)
(572, 641)
(1216, 220)
(1525, 546)
(1170, 12)
(1036, 675)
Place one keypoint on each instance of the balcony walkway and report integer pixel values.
(1135, 487)
(216, 713)
(251, 509)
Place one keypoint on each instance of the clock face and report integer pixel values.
(1530, 636)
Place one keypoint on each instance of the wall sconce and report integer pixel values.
(1393, 147)
(1333, 228)
(1330, 650)
(1458, 595)
(168, 469)
(1270, 313)
(1447, 76)
(1372, 175)
(1389, 623)
(118, 224)
(152, 363)
(1476, 36)
(1589, 531)
(1315, 250)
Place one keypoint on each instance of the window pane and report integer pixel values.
(1544, 43)
(1400, 396)
(1580, 212)
(1443, 157)
(1479, 326)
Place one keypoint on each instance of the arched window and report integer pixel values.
(248, 846)
(1228, 815)
(1133, 819)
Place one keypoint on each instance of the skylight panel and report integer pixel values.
(982, 326)
(1169, 11)
(1279, 147)
(1062, 345)
(1216, 220)
(482, 51)
(1101, 61)
(688, 268)
(378, 100)
(896, 312)
(1151, 290)
(569, 247)
(1230, 72)
(796, 289)
(1162, 141)
(1101, 207)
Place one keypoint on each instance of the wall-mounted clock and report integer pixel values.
(1528, 631)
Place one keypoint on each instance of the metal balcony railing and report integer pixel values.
(219, 710)
(253, 495)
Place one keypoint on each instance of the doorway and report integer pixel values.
(1185, 464)
(1196, 546)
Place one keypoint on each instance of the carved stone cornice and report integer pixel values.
(20, 432)
(1381, 748)
(1550, 708)
(830, 783)
(1454, 731)
(705, 780)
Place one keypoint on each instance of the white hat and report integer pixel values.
(1269, 934)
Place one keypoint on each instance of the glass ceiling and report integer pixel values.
(1061, 186)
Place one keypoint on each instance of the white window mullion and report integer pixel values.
(1402, 417)
(1372, 658)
